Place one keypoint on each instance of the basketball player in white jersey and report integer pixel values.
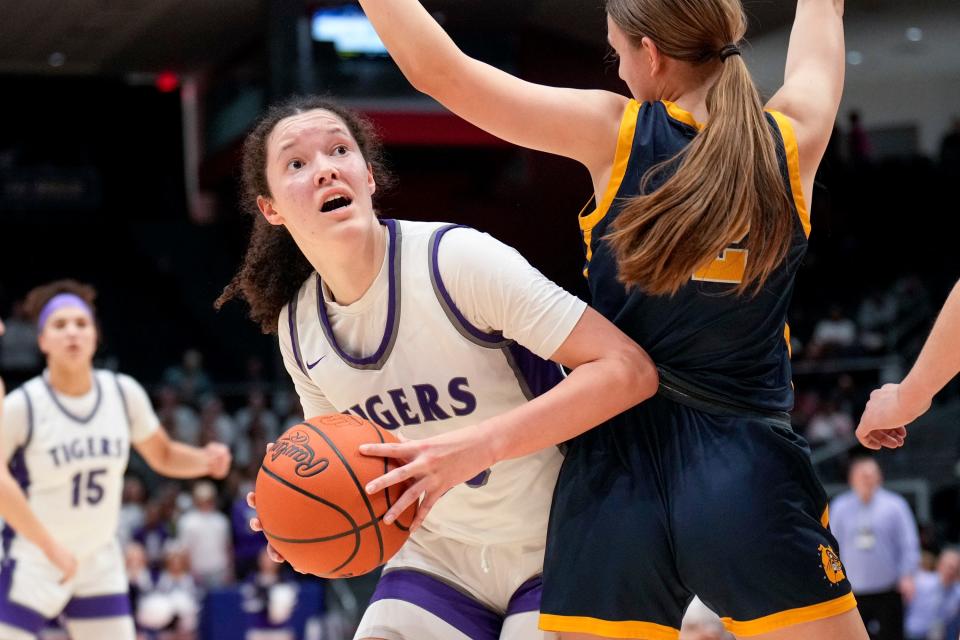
(66, 437)
(425, 328)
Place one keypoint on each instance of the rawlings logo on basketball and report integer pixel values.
(296, 446)
(831, 564)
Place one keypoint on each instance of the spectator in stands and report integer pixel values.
(19, 356)
(834, 335)
(205, 534)
(254, 419)
(189, 378)
(895, 405)
(155, 532)
(875, 319)
(932, 613)
(215, 424)
(173, 605)
(132, 509)
(829, 424)
(269, 600)
(879, 547)
(247, 543)
(141, 577)
(180, 419)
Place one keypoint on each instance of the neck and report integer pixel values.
(70, 382)
(349, 267)
(690, 93)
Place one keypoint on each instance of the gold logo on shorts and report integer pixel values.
(831, 564)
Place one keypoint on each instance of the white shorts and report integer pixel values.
(436, 588)
(94, 602)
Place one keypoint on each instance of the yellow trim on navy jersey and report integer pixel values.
(607, 628)
(793, 167)
(825, 518)
(786, 336)
(685, 117)
(790, 617)
(628, 125)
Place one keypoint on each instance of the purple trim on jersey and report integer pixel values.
(13, 614)
(123, 399)
(527, 597)
(81, 420)
(535, 375)
(450, 605)
(393, 309)
(26, 396)
(21, 474)
(470, 332)
(106, 606)
(294, 336)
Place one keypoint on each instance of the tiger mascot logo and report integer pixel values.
(831, 564)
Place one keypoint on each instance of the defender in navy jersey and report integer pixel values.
(66, 437)
(438, 332)
(692, 249)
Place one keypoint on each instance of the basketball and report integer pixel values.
(312, 504)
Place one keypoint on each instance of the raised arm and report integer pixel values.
(813, 81)
(578, 124)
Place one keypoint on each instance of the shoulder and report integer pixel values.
(128, 385)
(306, 291)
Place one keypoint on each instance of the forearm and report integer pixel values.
(15, 511)
(180, 460)
(939, 360)
(592, 393)
(419, 46)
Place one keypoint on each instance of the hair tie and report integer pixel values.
(729, 50)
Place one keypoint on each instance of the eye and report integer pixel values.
(295, 164)
(340, 150)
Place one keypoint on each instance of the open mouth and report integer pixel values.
(335, 202)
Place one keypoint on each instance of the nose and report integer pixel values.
(325, 174)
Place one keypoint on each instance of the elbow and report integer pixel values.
(640, 375)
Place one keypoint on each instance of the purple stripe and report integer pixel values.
(81, 420)
(537, 374)
(430, 594)
(393, 308)
(526, 597)
(108, 606)
(13, 614)
(294, 337)
(493, 339)
(20, 473)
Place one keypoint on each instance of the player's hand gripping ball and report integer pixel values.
(312, 504)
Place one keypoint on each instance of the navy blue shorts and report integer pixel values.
(667, 501)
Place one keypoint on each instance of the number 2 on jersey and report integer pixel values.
(90, 491)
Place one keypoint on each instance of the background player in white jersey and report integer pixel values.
(15, 511)
(66, 436)
(418, 327)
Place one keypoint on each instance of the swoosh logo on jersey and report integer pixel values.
(312, 365)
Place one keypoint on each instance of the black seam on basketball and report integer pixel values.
(353, 523)
(356, 482)
(325, 539)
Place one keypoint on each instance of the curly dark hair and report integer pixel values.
(273, 267)
(39, 296)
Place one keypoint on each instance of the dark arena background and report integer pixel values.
(119, 164)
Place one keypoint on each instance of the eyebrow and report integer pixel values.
(293, 141)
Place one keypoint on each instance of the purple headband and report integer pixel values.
(61, 301)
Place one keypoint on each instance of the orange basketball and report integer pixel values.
(312, 503)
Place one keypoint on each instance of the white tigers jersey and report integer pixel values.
(429, 370)
(69, 455)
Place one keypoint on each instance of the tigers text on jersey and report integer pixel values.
(431, 370)
(71, 464)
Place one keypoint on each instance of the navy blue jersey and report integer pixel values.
(707, 340)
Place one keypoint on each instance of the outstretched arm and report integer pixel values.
(895, 405)
(578, 124)
(813, 81)
(178, 460)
